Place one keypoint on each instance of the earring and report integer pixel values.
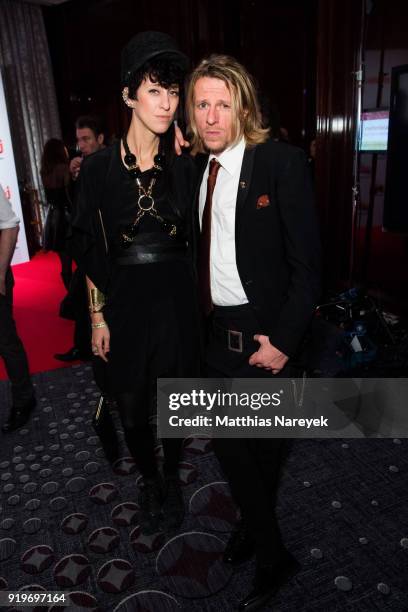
(125, 97)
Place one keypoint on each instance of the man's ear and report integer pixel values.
(100, 139)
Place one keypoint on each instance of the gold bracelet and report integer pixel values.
(98, 325)
(96, 300)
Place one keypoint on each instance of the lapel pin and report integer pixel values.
(263, 201)
(242, 184)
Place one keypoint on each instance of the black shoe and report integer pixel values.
(73, 354)
(19, 416)
(240, 547)
(268, 580)
(150, 502)
(173, 505)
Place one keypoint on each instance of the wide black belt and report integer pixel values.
(145, 254)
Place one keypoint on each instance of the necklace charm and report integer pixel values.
(130, 160)
(142, 198)
(145, 195)
(145, 200)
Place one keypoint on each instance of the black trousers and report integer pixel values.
(12, 350)
(252, 466)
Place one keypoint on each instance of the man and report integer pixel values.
(11, 347)
(90, 138)
(258, 265)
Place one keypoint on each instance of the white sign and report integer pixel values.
(8, 178)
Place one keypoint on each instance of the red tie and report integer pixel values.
(205, 241)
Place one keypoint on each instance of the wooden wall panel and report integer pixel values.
(274, 39)
(338, 42)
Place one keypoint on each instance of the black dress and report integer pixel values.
(58, 219)
(150, 307)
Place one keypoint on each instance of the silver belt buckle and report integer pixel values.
(234, 341)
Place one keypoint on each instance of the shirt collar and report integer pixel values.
(231, 158)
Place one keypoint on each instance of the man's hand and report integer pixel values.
(75, 166)
(268, 356)
(179, 140)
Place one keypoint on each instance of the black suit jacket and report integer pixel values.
(277, 245)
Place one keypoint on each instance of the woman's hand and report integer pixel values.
(100, 339)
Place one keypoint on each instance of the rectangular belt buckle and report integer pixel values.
(234, 341)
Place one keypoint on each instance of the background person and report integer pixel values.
(11, 347)
(55, 177)
(90, 139)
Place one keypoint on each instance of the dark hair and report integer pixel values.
(54, 153)
(165, 72)
(162, 70)
(92, 122)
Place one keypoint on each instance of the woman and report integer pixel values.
(55, 177)
(130, 236)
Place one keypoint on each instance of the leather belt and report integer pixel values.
(151, 254)
(233, 339)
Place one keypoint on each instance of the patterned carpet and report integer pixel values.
(69, 522)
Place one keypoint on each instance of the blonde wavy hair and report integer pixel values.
(246, 117)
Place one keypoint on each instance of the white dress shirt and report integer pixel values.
(226, 286)
(7, 217)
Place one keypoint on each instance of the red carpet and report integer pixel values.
(37, 295)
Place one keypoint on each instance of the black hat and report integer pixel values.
(146, 45)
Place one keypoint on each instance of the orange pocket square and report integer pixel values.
(263, 201)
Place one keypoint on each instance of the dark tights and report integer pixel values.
(134, 409)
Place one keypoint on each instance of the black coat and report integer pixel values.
(97, 193)
(277, 245)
